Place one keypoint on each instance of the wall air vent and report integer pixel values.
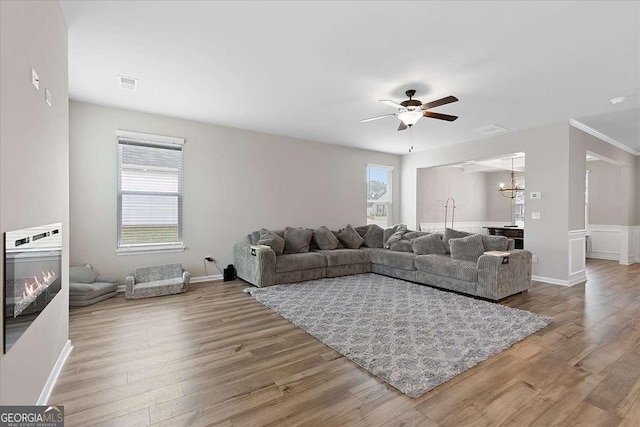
(490, 130)
(127, 83)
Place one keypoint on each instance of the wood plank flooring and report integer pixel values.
(215, 356)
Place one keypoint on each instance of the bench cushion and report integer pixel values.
(158, 272)
(302, 261)
(443, 265)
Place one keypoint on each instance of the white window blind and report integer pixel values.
(379, 197)
(150, 171)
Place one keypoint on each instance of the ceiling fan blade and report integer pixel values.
(402, 126)
(439, 102)
(439, 116)
(391, 103)
(376, 118)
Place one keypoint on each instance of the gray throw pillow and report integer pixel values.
(362, 230)
(409, 235)
(397, 235)
(401, 246)
(495, 243)
(271, 239)
(449, 234)
(467, 248)
(84, 274)
(325, 239)
(388, 232)
(373, 237)
(297, 240)
(350, 237)
(340, 244)
(255, 236)
(428, 244)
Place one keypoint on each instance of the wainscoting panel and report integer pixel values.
(577, 256)
(603, 241)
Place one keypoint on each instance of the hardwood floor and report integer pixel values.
(215, 356)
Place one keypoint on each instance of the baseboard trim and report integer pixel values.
(612, 256)
(55, 373)
(551, 280)
(212, 278)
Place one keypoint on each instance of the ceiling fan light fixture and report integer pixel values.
(410, 118)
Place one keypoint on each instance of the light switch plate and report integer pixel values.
(535, 215)
(534, 259)
(35, 79)
(535, 195)
(47, 96)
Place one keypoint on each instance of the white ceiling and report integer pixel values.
(313, 69)
(621, 125)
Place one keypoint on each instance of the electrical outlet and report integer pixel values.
(209, 259)
(535, 195)
(535, 215)
(534, 259)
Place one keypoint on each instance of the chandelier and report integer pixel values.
(512, 191)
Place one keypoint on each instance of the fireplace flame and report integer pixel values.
(31, 291)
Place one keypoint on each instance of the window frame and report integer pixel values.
(158, 141)
(389, 170)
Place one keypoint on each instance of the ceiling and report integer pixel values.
(622, 125)
(494, 164)
(312, 70)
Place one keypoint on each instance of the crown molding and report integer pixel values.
(603, 137)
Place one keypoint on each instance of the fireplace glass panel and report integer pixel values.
(32, 267)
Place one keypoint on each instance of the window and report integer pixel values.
(149, 193)
(518, 204)
(379, 195)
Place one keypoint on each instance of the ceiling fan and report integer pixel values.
(411, 110)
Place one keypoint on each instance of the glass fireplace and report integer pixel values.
(32, 266)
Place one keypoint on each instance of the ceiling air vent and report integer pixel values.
(490, 130)
(127, 83)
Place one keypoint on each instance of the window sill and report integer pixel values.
(150, 249)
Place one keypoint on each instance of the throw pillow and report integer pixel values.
(397, 235)
(271, 239)
(350, 237)
(84, 274)
(409, 235)
(467, 248)
(387, 233)
(449, 234)
(401, 246)
(429, 244)
(362, 230)
(297, 240)
(340, 244)
(255, 236)
(495, 243)
(325, 239)
(373, 236)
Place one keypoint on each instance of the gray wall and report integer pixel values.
(235, 181)
(604, 199)
(547, 154)
(34, 174)
(475, 193)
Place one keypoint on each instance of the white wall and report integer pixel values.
(235, 181)
(547, 154)
(34, 174)
(604, 199)
(499, 207)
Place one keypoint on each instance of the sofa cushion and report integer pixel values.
(401, 260)
(401, 246)
(297, 240)
(271, 239)
(428, 244)
(85, 291)
(362, 230)
(410, 235)
(400, 229)
(443, 265)
(350, 237)
(158, 272)
(325, 239)
(495, 243)
(84, 274)
(373, 237)
(467, 248)
(450, 233)
(301, 261)
(345, 256)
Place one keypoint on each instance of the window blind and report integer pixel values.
(149, 192)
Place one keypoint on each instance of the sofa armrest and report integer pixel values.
(106, 279)
(186, 276)
(259, 268)
(129, 281)
(497, 279)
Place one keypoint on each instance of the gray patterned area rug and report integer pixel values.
(413, 337)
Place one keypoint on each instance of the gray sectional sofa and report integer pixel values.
(481, 275)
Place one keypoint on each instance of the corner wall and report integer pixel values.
(34, 175)
(235, 181)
